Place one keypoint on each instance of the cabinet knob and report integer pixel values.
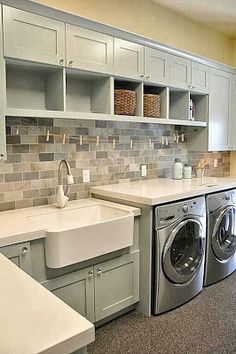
(24, 251)
(147, 77)
(189, 86)
(90, 274)
(142, 76)
(99, 271)
(70, 62)
(61, 61)
(1, 156)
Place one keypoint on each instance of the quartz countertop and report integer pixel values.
(163, 190)
(33, 320)
(26, 224)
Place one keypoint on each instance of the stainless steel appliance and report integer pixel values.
(179, 250)
(221, 236)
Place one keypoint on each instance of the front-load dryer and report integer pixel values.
(221, 236)
(179, 251)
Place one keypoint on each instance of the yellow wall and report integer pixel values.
(151, 20)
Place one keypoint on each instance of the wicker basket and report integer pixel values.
(151, 105)
(125, 102)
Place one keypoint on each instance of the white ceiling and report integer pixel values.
(219, 14)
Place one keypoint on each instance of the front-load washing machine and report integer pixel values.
(179, 251)
(221, 236)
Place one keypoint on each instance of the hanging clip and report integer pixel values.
(97, 140)
(150, 143)
(167, 141)
(81, 139)
(64, 139)
(114, 143)
(47, 135)
(182, 137)
(162, 140)
(17, 130)
(175, 137)
(131, 143)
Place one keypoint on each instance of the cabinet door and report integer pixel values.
(232, 116)
(156, 66)
(32, 37)
(128, 59)
(76, 290)
(180, 72)
(89, 50)
(19, 254)
(218, 110)
(200, 77)
(116, 284)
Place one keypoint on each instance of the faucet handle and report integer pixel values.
(70, 179)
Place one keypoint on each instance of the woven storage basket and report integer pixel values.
(151, 105)
(125, 102)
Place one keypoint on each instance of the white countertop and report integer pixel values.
(163, 190)
(33, 320)
(26, 224)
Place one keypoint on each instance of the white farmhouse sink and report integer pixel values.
(87, 232)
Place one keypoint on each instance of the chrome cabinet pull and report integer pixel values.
(1, 156)
(142, 76)
(99, 271)
(70, 62)
(147, 77)
(24, 251)
(61, 61)
(90, 274)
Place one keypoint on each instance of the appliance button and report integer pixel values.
(227, 197)
(185, 208)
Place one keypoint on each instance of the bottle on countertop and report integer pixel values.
(178, 169)
(187, 171)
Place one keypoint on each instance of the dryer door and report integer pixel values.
(224, 234)
(184, 251)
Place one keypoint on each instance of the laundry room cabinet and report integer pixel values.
(89, 50)
(101, 290)
(20, 255)
(32, 37)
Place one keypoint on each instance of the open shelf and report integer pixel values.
(34, 87)
(135, 86)
(163, 92)
(179, 104)
(87, 92)
(201, 106)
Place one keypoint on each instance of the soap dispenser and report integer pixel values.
(178, 169)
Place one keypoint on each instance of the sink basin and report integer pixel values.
(87, 232)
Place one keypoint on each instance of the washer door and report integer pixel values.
(224, 234)
(183, 252)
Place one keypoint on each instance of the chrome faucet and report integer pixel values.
(62, 196)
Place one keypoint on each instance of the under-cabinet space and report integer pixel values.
(163, 93)
(136, 87)
(179, 105)
(87, 92)
(200, 107)
(34, 87)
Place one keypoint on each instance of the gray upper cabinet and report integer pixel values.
(156, 66)
(19, 254)
(76, 290)
(200, 77)
(116, 285)
(180, 72)
(89, 50)
(128, 59)
(232, 120)
(218, 124)
(33, 37)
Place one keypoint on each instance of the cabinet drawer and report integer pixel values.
(33, 37)
(116, 284)
(19, 254)
(89, 50)
(76, 290)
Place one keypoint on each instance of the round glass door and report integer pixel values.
(224, 234)
(184, 251)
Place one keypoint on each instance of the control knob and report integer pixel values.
(185, 209)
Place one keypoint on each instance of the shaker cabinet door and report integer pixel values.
(89, 50)
(19, 254)
(180, 72)
(76, 290)
(200, 77)
(156, 66)
(33, 37)
(128, 59)
(116, 284)
(218, 125)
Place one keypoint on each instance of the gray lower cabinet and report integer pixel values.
(100, 291)
(116, 285)
(19, 254)
(75, 289)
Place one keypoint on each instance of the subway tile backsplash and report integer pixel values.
(29, 176)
